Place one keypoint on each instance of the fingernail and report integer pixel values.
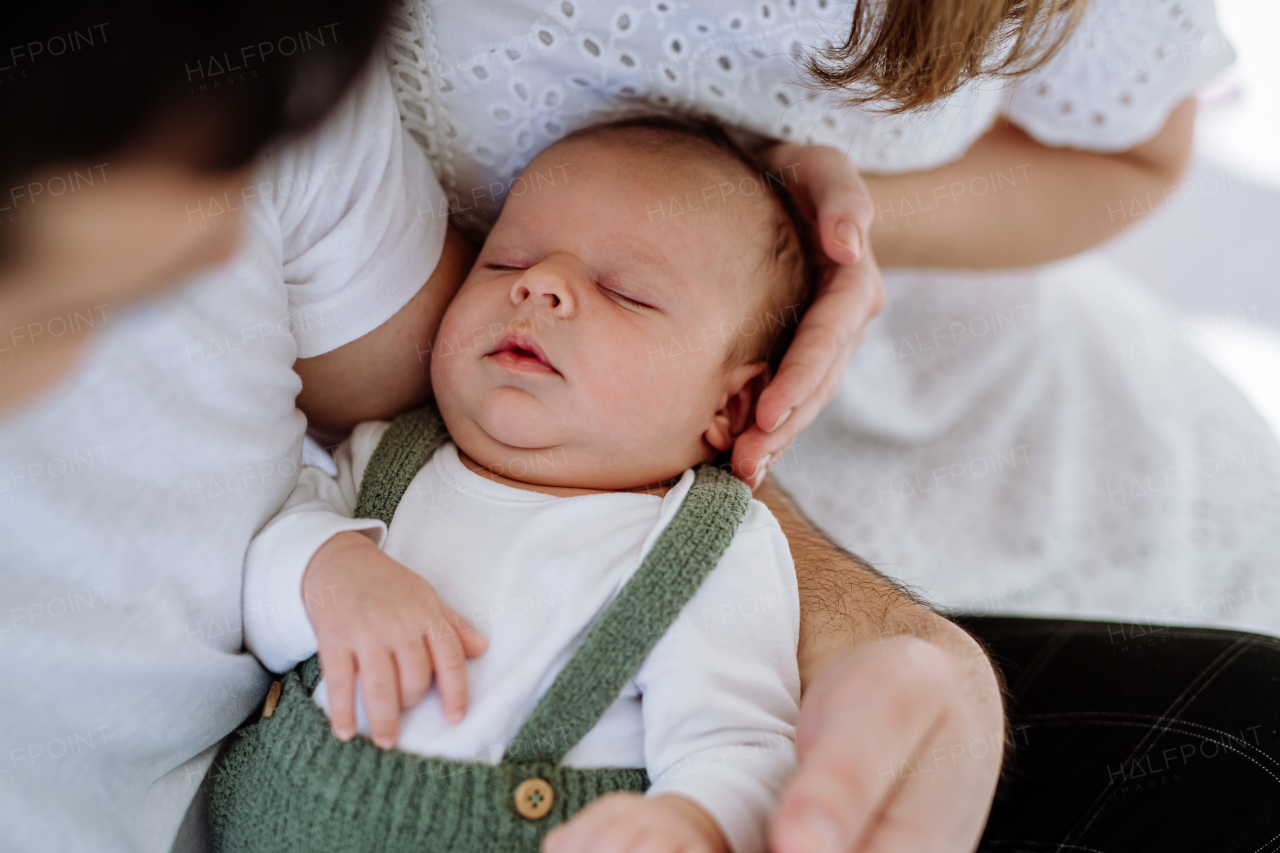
(849, 237)
(385, 742)
(821, 833)
(782, 420)
(454, 715)
(762, 468)
(343, 735)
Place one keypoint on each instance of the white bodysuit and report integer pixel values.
(710, 713)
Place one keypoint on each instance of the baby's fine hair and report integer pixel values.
(791, 276)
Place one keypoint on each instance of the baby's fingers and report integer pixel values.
(381, 689)
(413, 663)
(338, 667)
(473, 644)
(451, 644)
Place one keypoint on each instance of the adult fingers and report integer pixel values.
(338, 666)
(756, 451)
(845, 211)
(602, 825)
(380, 686)
(567, 837)
(833, 194)
(866, 714)
(930, 816)
(808, 360)
(809, 375)
(939, 797)
(827, 334)
(649, 841)
(862, 284)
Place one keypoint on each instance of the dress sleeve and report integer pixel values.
(276, 627)
(720, 692)
(1121, 73)
(360, 215)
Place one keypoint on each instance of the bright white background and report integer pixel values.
(1215, 251)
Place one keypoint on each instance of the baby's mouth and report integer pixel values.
(522, 353)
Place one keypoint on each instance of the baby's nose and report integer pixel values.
(545, 285)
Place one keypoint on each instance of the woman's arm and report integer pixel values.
(902, 724)
(388, 370)
(1011, 201)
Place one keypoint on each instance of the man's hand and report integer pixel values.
(901, 728)
(893, 757)
(831, 194)
(383, 621)
(626, 822)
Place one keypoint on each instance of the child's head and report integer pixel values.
(641, 283)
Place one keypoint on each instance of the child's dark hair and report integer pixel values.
(793, 278)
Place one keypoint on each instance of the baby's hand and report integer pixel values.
(626, 822)
(374, 616)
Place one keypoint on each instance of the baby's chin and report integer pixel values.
(511, 418)
(505, 437)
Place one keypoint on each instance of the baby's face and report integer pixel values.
(587, 346)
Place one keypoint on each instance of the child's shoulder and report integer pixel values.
(760, 549)
(760, 520)
(756, 577)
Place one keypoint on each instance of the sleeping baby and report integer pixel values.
(544, 619)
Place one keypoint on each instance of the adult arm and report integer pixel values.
(902, 724)
(1037, 203)
(1052, 202)
(388, 370)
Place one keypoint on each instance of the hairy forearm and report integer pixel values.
(844, 602)
(1011, 201)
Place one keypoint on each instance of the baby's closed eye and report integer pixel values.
(622, 297)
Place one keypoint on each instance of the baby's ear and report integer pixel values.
(743, 386)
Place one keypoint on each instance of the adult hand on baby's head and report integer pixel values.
(831, 194)
(375, 617)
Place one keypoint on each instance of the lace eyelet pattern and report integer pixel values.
(512, 82)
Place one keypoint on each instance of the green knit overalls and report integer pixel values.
(287, 784)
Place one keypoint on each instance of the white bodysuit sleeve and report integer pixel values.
(276, 627)
(721, 690)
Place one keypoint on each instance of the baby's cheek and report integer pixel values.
(461, 332)
(662, 392)
(449, 354)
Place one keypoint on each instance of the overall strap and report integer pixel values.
(404, 448)
(615, 647)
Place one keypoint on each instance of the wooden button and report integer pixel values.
(273, 699)
(534, 798)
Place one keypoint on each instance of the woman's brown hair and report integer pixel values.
(905, 54)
